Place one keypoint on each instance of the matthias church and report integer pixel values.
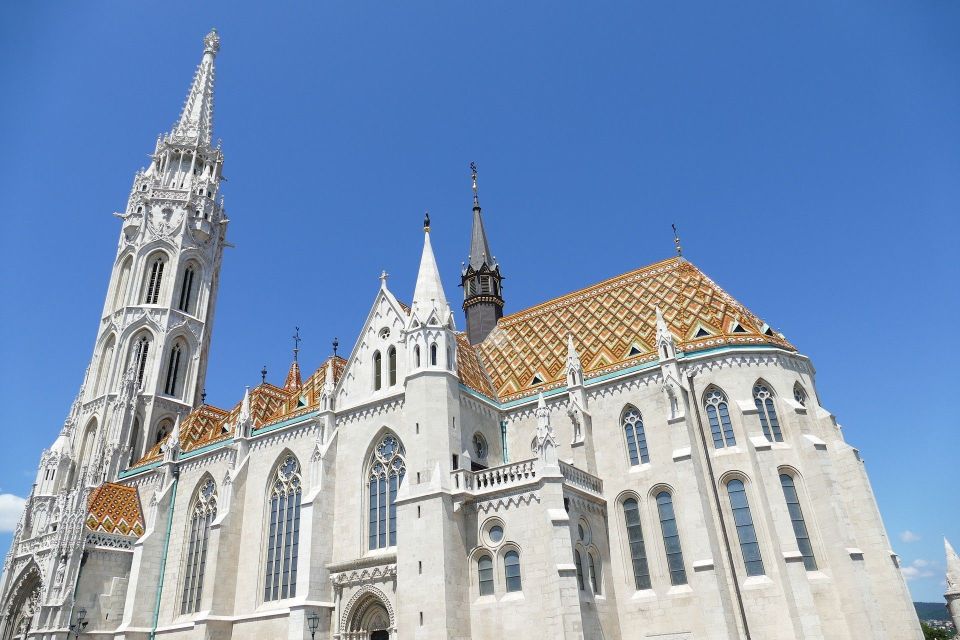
(642, 458)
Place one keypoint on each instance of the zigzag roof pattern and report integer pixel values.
(268, 404)
(614, 327)
(115, 508)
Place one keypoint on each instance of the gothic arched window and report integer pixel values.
(103, 367)
(638, 552)
(511, 570)
(485, 575)
(283, 534)
(416, 355)
(433, 354)
(186, 289)
(387, 468)
(89, 435)
(123, 281)
(578, 562)
(747, 535)
(800, 395)
(155, 267)
(134, 436)
(173, 369)
(377, 371)
(163, 430)
(671, 538)
(796, 518)
(202, 515)
(763, 400)
(594, 575)
(632, 423)
(719, 414)
(139, 357)
(392, 366)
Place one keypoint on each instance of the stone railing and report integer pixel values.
(495, 478)
(582, 479)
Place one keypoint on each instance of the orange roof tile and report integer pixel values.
(614, 326)
(470, 369)
(115, 508)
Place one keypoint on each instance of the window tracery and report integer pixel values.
(283, 537)
(203, 514)
(715, 403)
(763, 400)
(387, 469)
(632, 423)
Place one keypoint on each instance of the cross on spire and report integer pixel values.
(473, 174)
(296, 343)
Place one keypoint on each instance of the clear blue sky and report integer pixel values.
(809, 152)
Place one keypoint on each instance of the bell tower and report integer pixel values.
(150, 355)
(480, 278)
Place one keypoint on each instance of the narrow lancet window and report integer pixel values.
(283, 535)
(140, 352)
(636, 438)
(377, 371)
(485, 575)
(746, 533)
(578, 562)
(719, 415)
(203, 514)
(671, 538)
(392, 366)
(638, 552)
(155, 279)
(186, 290)
(387, 469)
(173, 370)
(763, 400)
(796, 518)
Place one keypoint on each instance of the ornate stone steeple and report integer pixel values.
(480, 278)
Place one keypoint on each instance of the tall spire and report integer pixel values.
(428, 293)
(480, 277)
(196, 119)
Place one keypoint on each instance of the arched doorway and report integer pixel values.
(369, 616)
(23, 605)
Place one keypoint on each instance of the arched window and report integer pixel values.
(103, 366)
(485, 575)
(579, 564)
(186, 290)
(796, 517)
(151, 291)
(416, 355)
(632, 423)
(86, 451)
(283, 534)
(140, 355)
(747, 535)
(594, 576)
(719, 414)
(763, 399)
(638, 552)
(511, 570)
(173, 370)
(671, 538)
(800, 395)
(203, 514)
(377, 371)
(392, 365)
(163, 430)
(123, 281)
(387, 468)
(134, 436)
(433, 354)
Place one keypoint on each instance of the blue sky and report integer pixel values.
(808, 152)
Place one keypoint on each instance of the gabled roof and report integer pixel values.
(614, 325)
(115, 508)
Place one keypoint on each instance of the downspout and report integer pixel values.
(503, 441)
(163, 559)
(716, 501)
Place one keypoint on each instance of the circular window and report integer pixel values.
(496, 533)
(385, 333)
(479, 446)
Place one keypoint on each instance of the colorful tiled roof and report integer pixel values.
(115, 508)
(614, 327)
(268, 403)
(470, 369)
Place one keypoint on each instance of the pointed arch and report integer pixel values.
(377, 370)
(718, 413)
(203, 511)
(155, 266)
(162, 430)
(632, 423)
(188, 287)
(89, 437)
(139, 354)
(800, 394)
(283, 528)
(392, 366)
(175, 373)
(767, 410)
(384, 473)
(24, 602)
(122, 283)
(358, 609)
(104, 366)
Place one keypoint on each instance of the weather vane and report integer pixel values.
(473, 174)
(676, 240)
(296, 343)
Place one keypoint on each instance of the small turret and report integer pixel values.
(480, 278)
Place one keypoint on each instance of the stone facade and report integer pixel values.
(641, 459)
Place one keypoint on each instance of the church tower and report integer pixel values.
(480, 278)
(150, 355)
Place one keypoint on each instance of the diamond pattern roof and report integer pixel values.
(115, 508)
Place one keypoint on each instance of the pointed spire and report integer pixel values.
(245, 413)
(666, 345)
(574, 368)
(479, 247)
(196, 119)
(953, 568)
(545, 442)
(428, 292)
(293, 381)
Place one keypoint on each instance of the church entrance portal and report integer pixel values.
(368, 618)
(380, 635)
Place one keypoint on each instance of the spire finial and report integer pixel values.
(426, 222)
(296, 343)
(676, 240)
(336, 345)
(263, 375)
(211, 42)
(383, 277)
(476, 196)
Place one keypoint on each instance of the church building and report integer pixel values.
(642, 458)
